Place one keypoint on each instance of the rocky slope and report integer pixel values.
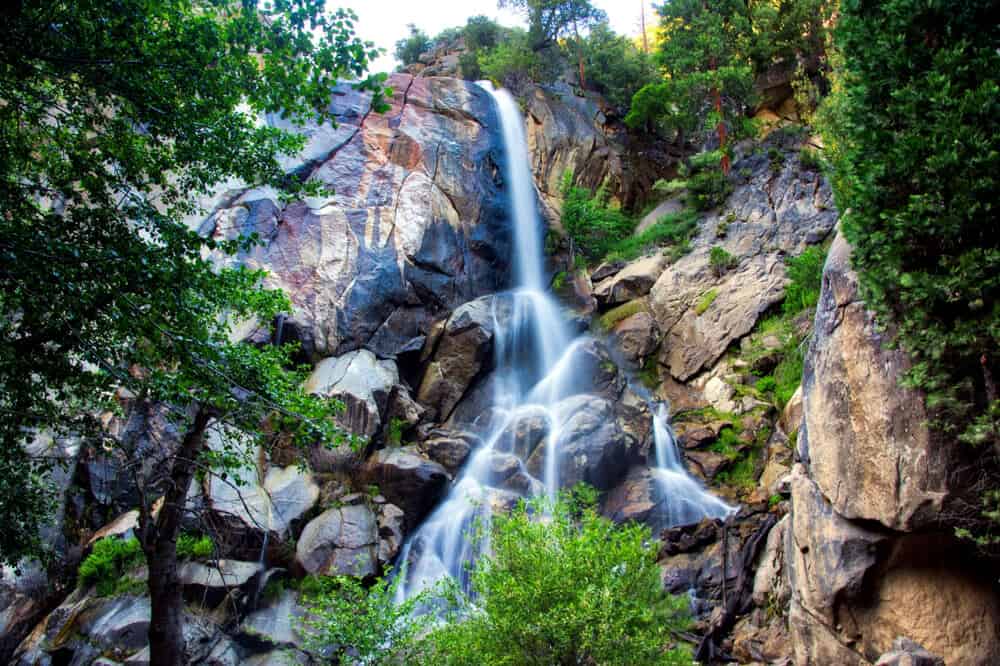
(835, 554)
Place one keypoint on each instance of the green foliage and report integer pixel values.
(481, 33)
(913, 130)
(705, 302)
(394, 436)
(590, 220)
(109, 560)
(806, 274)
(788, 375)
(569, 588)
(774, 500)
(362, 625)
(513, 63)
(810, 159)
(124, 116)
(766, 384)
(674, 230)
(720, 260)
(192, 546)
(409, 48)
(550, 20)
(614, 66)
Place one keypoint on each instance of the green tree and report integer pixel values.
(115, 117)
(409, 48)
(615, 67)
(551, 20)
(704, 50)
(564, 585)
(914, 131)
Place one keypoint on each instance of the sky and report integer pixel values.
(384, 21)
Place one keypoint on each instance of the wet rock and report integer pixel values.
(391, 530)
(637, 336)
(340, 541)
(631, 282)
(407, 479)
(592, 446)
(275, 625)
(525, 432)
(449, 448)
(634, 499)
(706, 463)
(362, 382)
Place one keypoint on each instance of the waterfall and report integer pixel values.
(536, 367)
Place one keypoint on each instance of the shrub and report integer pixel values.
(623, 311)
(356, 625)
(913, 130)
(107, 563)
(590, 220)
(720, 260)
(766, 384)
(806, 274)
(572, 588)
(674, 229)
(513, 63)
(810, 159)
(192, 546)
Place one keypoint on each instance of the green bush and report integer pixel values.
(590, 220)
(570, 588)
(806, 274)
(788, 375)
(720, 260)
(361, 625)
(513, 63)
(674, 230)
(192, 546)
(107, 563)
(914, 132)
(614, 66)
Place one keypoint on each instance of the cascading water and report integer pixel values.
(536, 368)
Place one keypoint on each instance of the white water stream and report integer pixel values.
(537, 366)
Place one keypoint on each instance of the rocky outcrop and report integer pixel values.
(867, 560)
(778, 208)
(416, 225)
(407, 479)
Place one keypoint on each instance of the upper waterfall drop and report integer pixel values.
(528, 270)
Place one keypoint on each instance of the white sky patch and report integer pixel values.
(384, 21)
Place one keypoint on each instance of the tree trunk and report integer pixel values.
(159, 542)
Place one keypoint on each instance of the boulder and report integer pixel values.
(906, 652)
(363, 382)
(637, 336)
(243, 503)
(211, 582)
(275, 624)
(449, 448)
(340, 541)
(407, 479)
(631, 282)
(526, 430)
(459, 353)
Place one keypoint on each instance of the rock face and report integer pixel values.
(855, 410)
(772, 212)
(407, 479)
(340, 541)
(865, 564)
(416, 225)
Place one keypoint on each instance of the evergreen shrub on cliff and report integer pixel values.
(914, 130)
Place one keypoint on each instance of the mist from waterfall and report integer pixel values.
(538, 365)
